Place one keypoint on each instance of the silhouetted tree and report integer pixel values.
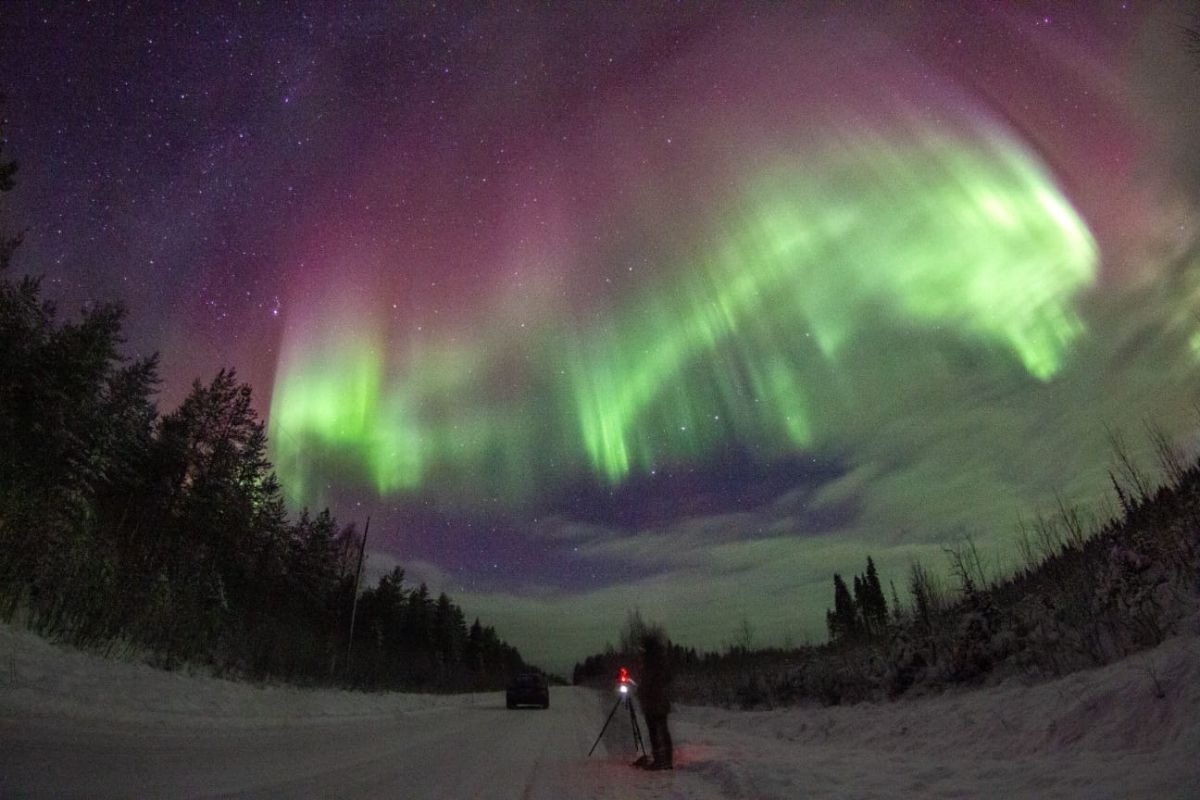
(897, 613)
(170, 532)
(872, 606)
(473, 653)
(843, 620)
(923, 600)
(74, 419)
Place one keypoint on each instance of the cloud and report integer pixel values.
(965, 459)
(1167, 92)
(378, 563)
(781, 585)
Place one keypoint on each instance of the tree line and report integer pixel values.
(121, 527)
(863, 615)
(859, 617)
(1088, 591)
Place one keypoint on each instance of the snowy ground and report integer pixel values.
(72, 725)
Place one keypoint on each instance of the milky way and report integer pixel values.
(680, 308)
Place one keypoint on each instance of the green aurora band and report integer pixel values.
(744, 342)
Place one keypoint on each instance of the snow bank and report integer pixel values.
(42, 679)
(1131, 729)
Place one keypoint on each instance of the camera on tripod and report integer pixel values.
(624, 683)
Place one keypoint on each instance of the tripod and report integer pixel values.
(638, 744)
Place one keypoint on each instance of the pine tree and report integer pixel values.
(223, 506)
(897, 614)
(874, 605)
(919, 586)
(313, 556)
(170, 532)
(844, 620)
(473, 653)
(862, 607)
(443, 635)
(73, 429)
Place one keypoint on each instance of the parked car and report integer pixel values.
(527, 689)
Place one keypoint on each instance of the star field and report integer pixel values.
(683, 307)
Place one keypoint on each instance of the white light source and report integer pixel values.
(624, 689)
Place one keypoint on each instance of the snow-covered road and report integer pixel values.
(75, 725)
(473, 749)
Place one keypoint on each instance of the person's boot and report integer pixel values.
(643, 762)
(660, 765)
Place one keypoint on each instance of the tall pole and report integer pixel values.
(357, 575)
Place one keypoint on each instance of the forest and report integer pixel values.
(131, 531)
(1087, 592)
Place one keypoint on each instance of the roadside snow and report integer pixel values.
(72, 724)
(42, 679)
(1131, 729)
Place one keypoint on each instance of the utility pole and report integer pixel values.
(357, 576)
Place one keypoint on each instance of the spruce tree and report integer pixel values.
(875, 607)
(862, 606)
(170, 532)
(845, 616)
(473, 654)
(897, 617)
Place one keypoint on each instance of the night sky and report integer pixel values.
(676, 307)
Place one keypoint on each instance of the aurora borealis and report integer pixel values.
(677, 308)
(969, 236)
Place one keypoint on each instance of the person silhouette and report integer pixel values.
(654, 695)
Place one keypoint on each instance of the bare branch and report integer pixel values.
(1170, 458)
(1025, 546)
(1069, 519)
(1128, 472)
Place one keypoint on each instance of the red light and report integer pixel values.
(624, 675)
